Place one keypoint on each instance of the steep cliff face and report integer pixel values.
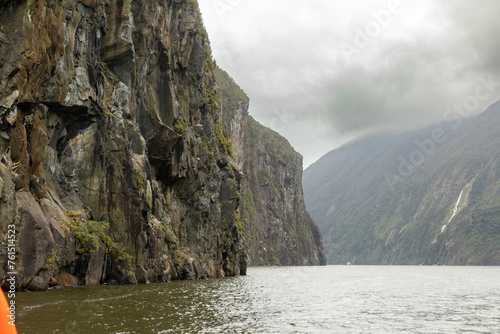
(277, 227)
(112, 158)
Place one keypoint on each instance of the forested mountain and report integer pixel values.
(430, 196)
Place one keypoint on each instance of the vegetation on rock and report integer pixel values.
(276, 227)
(180, 125)
(92, 235)
(120, 120)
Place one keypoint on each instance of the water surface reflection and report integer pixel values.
(280, 300)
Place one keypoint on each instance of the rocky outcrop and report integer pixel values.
(276, 226)
(113, 166)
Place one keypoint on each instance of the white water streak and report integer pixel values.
(455, 211)
(456, 207)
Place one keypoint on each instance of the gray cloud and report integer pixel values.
(306, 59)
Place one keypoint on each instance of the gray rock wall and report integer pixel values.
(111, 165)
(276, 226)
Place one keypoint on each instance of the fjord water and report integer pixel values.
(333, 299)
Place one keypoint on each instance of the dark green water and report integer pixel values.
(176, 307)
(331, 299)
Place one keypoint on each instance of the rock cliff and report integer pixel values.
(276, 226)
(114, 166)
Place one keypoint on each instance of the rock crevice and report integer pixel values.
(109, 153)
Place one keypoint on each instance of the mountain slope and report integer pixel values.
(394, 199)
(277, 227)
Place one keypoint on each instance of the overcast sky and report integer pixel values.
(321, 72)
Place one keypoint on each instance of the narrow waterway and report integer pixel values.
(333, 299)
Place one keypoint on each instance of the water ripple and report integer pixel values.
(280, 300)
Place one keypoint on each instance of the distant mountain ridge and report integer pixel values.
(430, 196)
